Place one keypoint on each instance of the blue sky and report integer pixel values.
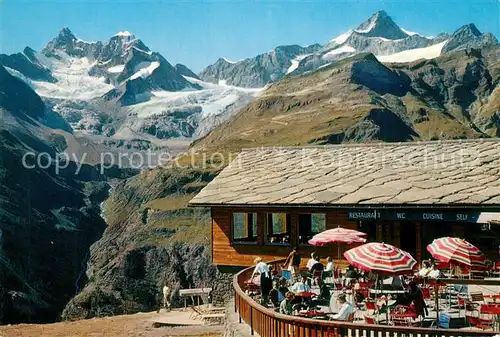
(196, 33)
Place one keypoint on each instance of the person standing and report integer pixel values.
(266, 283)
(166, 297)
(416, 296)
(292, 262)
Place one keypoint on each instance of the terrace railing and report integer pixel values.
(267, 323)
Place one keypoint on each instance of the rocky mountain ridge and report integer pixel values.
(122, 89)
(359, 99)
(49, 212)
(378, 35)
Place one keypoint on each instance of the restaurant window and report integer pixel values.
(369, 227)
(244, 227)
(278, 228)
(310, 225)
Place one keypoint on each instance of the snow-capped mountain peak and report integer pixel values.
(380, 24)
(125, 33)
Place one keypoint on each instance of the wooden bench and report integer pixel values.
(198, 293)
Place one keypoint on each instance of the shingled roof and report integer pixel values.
(419, 173)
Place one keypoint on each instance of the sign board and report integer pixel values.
(414, 215)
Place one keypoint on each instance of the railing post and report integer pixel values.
(239, 308)
(251, 320)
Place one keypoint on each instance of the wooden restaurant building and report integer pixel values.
(269, 200)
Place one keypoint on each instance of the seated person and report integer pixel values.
(424, 270)
(312, 261)
(345, 310)
(359, 297)
(350, 276)
(330, 267)
(316, 272)
(324, 291)
(283, 287)
(301, 286)
(433, 272)
(286, 306)
(274, 274)
(275, 295)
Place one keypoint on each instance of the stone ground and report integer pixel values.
(138, 325)
(234, 328)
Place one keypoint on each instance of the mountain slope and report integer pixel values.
(258, 71)
(122, 89)
(48, 217)
(359, 99)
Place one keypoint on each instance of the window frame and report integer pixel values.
(248, 223)
(298, 225)
(287, 223)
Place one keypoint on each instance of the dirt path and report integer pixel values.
(138, 325)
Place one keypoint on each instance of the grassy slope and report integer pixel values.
(306, 109)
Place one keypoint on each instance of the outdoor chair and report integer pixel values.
(369, 319)
(444, 321)
(480, 323)
(495, 270)
(477, 297)
(371, 308)
(196, 313)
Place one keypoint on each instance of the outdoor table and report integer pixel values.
(305, 297)
(311, 313)
(403, 317)
(492, 298)
(389, 292)
(306, 294)
(251, 287)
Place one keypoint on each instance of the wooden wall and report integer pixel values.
(225, 253)
(240, 254)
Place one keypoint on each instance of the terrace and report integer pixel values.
(267, 322)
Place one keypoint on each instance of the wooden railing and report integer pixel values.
(267, 323)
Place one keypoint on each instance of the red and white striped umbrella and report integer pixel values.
(456, 250)
(381, 258)
(337, 235)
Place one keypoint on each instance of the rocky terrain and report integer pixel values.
(120, 89)
(152, 239)
(79, 97)
(48, 217)
(360, 99)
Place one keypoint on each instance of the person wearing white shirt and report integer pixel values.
(301, 286)
(312, 261)
(329, 265)
(433, 273)
(266, 282)
(424, 271)
(345, 310)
